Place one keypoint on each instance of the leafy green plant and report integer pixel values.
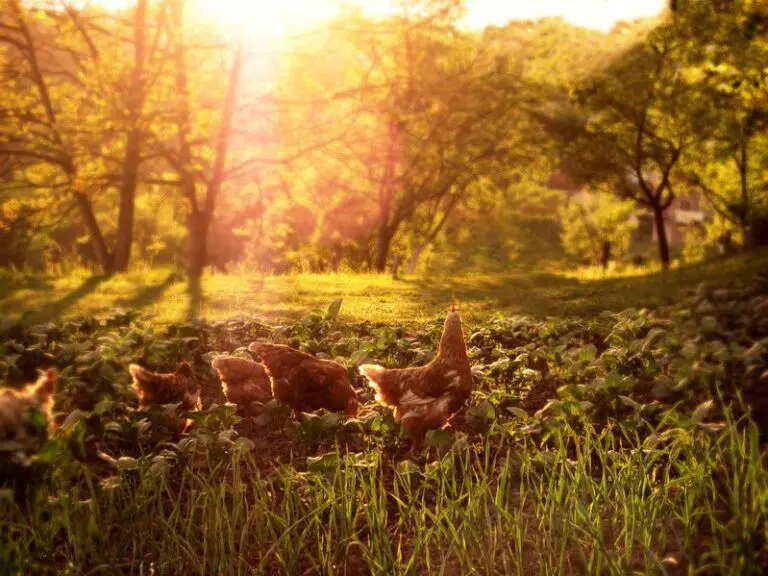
(645, 454)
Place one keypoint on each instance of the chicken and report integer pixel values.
(243, 381)
(14, 405)
(181, 386)
(23, 434)
(304, 382)
(427, 397)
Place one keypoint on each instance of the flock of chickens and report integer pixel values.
(423, 398)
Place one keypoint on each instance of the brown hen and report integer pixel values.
(243, 381)
(427, 397)
(15, 403)
(154, 388)
(304, 382)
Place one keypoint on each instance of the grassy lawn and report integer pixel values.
(614, 447)
(165, 295)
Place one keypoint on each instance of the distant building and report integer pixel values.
(684, 213)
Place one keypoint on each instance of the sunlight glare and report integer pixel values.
(268, 20)
(595, 14)
(273, 20)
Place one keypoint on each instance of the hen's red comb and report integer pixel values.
(453, 307)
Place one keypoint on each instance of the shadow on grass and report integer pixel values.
(54, 310)
(543, 294)
(10, 284)
(148, 295)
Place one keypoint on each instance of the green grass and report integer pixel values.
(165, 296)
(618, 445)
(518, 510)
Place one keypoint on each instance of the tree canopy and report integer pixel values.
(147, 134)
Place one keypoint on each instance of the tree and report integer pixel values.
(134, 137)
(726, 43)
(631, 127)
(428, 122)
(181, 157)
(34, 130)
(98, 134)
(593, 221)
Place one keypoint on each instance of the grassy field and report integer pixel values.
(618, 445)
(629, 443)
(165, 296)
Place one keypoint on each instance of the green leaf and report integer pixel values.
(518, 412)
(324, 462)
(36, 418)
(359, 357)
(587, 353)
(709, 324)
(48, 452)
(333, 309)
(627, 401)
(407, 467)
(713, 427)
(480, 415)
(702, 411)
(754, 353)
(245, 444)
(329, 421)
(73, 418)
(439, 438)
(662, 388)
(127, 463)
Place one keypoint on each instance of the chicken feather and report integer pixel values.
(304, 382)
(155, 388)
(14, 405)
(243, 381)
(427, 397)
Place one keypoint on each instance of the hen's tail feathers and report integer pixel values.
(374, 374)
(137, 372)
(45, 386)
(142, 378)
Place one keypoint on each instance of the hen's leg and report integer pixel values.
(418, 442)
(416, 430)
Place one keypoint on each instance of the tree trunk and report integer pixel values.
(127, 201)
(198, 243)
(200, 220)
(82, 201)
(89, 218)
(132, 157)
(605, 256)
(433, 234)
(661, 233)
(414, 260)
(382, 247)
(744, 211)
(199, 232)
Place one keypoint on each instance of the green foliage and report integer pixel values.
(367, 142)
(644, 456)
(590, 220)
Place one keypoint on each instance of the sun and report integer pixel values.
(267, 19)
